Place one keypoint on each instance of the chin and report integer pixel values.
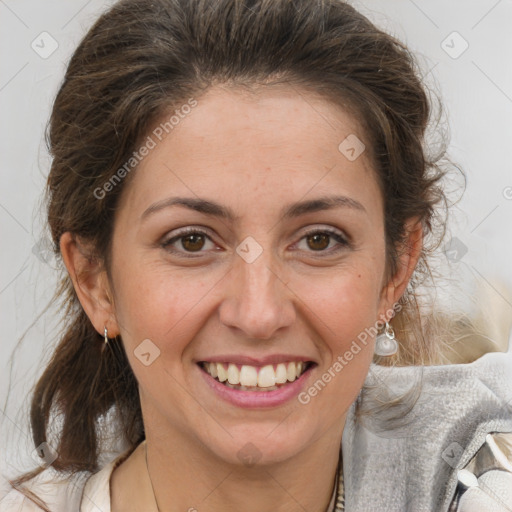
(251, 447)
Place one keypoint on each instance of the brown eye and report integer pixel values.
(193, 242)
(318, 241)
(189, 242)
(325, 241)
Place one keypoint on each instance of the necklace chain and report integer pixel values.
(150, 481)
(339, 504)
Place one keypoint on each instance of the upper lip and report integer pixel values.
(256, 361)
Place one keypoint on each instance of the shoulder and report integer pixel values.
(460, 411)
(485, 483)
(50, 490)
(14, 501)
(58, 492)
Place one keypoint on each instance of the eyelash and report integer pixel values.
(343, 242)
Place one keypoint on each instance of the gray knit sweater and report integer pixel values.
(414, 465)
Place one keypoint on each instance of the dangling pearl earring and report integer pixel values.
(385, 344)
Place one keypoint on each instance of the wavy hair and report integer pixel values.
(142, 60)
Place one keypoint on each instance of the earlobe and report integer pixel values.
(90, 281)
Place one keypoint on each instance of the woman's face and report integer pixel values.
(215, 260)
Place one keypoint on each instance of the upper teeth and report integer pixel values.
(261, 376)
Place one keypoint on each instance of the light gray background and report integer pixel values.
(476, 88)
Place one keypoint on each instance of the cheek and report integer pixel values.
(343, 303)
(156, 303)
(344, 308)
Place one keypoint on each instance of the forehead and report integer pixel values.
(273, 144)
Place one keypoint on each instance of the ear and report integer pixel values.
(90, 282)
(408, 256)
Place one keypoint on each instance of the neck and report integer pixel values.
(185, 477)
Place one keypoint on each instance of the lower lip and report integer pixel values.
(257, 399)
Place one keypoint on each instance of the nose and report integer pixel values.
(258, 302)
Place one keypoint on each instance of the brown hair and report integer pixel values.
(141, 60)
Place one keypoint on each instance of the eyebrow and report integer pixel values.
(289, 212)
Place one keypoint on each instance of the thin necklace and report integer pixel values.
(339, 502)
(150, 481)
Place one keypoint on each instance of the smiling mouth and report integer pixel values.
(256, 378)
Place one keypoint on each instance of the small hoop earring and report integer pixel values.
(386, 344)
(105, 335)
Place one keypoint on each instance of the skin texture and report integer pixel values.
(255, 153)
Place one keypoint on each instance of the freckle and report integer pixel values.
(359, 275)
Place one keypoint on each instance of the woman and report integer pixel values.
(241, 198)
